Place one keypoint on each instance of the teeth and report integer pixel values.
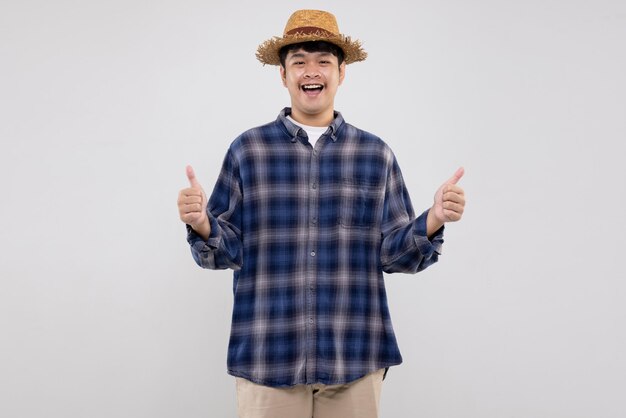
(312, 86)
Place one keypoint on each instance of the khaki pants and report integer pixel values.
(358, 399)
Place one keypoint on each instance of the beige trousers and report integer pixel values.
(358, 399)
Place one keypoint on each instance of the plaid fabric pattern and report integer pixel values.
(308, 233)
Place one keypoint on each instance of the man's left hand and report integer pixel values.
(449, 203)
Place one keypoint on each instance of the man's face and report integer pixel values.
(312, 79)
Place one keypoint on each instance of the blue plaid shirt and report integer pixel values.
(308, 232)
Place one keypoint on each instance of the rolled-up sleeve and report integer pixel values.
(223, 249)
(405, 247)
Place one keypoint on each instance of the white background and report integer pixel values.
(103, 312)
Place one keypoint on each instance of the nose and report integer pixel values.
(311, 71)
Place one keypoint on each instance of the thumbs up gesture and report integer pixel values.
(449, 202)
(192, 203)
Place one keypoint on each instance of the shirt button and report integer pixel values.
(310, 320)
(314, 186)
(314, 221)
(312, 253)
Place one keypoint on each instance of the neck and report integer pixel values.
(320, 119)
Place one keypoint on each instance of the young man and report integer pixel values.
(309, 211)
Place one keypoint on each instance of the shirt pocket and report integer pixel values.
(359, 204)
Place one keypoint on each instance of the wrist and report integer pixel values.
(202, 228)
(432, 223)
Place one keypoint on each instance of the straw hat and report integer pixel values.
(310, 25)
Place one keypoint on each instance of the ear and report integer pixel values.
(283, 75)
(342, 72)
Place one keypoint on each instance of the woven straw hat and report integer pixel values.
(310, 25)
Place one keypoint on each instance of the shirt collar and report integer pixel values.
(294, 129)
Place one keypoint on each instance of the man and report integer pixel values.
(309, 211)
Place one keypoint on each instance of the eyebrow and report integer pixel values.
(301, 54)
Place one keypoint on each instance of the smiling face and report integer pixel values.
(312, 79)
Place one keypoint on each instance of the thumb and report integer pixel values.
(193, 181)
(457, 176)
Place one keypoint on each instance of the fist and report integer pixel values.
(449, 200)
(192, 203)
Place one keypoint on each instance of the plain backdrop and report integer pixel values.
(103, 312)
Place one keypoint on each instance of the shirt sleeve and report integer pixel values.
(405, 246)
(223, 249)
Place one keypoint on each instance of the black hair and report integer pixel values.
(312, 46)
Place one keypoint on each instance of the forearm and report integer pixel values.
(407, 249)
(222, 249)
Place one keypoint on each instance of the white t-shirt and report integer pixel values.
(313, 132)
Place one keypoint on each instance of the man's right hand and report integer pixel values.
(192, 204)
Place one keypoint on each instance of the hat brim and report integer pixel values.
(268, 51)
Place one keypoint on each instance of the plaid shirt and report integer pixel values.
(308, 232)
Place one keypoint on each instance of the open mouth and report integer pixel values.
(312, 88)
